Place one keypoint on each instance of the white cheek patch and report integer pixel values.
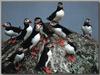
(38, 26)
(27, 21)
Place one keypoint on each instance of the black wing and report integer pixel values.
(52, 16)
(65, 30)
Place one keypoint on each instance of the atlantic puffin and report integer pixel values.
(26, 31)
(70, 51)
(56, 16)
(35, 37)
(11, 30)
(17, 58)
(69, 48)
(45, 58)
(61, 31)
(87, 27)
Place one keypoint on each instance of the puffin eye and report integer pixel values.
(27, 20)
(6, 24)
(37, 21)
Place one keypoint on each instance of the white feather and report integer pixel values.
(29, 31)
(87, 29)
(10, 33)
(69, 49)
(19, 57)
(35, 40)
(49, 57)
(59, 32)
(59, 15)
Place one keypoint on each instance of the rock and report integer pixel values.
(86, 57)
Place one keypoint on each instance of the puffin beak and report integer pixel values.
(30, 21)
(3, 25)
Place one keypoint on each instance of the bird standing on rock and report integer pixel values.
(11, 30)
(69, 48)
(35, 37)
(17, 58)
(26, 32)
(87, 28)
(61, 31)
(56, 16)
(45, 58)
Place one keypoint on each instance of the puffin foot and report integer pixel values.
(61, 42)
(47, 70)
(35, 49)
(18, 67)
(12, 41)
(33, 54)
(71, 58)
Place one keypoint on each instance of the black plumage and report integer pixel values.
(53, 15)
(24, 31)
(65, 30)
(44, 57)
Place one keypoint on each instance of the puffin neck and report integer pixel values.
(59, 8)
(87, 24)
(26, 25)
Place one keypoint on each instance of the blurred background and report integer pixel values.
(75, 14)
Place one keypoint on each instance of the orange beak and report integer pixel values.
(3, 25)
(30, 21)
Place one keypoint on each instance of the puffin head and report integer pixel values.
(38, 23)
(88, 20)
(7, 24)
(60, 5)
(27, 21)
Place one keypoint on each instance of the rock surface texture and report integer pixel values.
(86, 57)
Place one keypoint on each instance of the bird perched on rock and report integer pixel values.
(45, 58)
(11, 30)
(87, 28)
(35, 37)
(17, 58)
(70, 49)
(56, 16)
(61, 31)
(26, 32)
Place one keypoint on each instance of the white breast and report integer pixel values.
(59, 15)
(19, 57)
(49, 58)
(29, 31)
(36, 39)
(49, 53)
(69, 49)
(11, 33)
(87, 29)
(59, 32)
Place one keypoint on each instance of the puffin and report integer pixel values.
(26, 32)
(17, 58)
(11, 30)
(87, 27)
(69, 48)
(56, 16)
(35, 37)
(61, 31)
(45, 58)
(70, 51)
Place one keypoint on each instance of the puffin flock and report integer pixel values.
(30, 37)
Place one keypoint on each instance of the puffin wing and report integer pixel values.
(52, 16)
(28, 42)
(65, 30)
(21, 36)
(16, 29)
